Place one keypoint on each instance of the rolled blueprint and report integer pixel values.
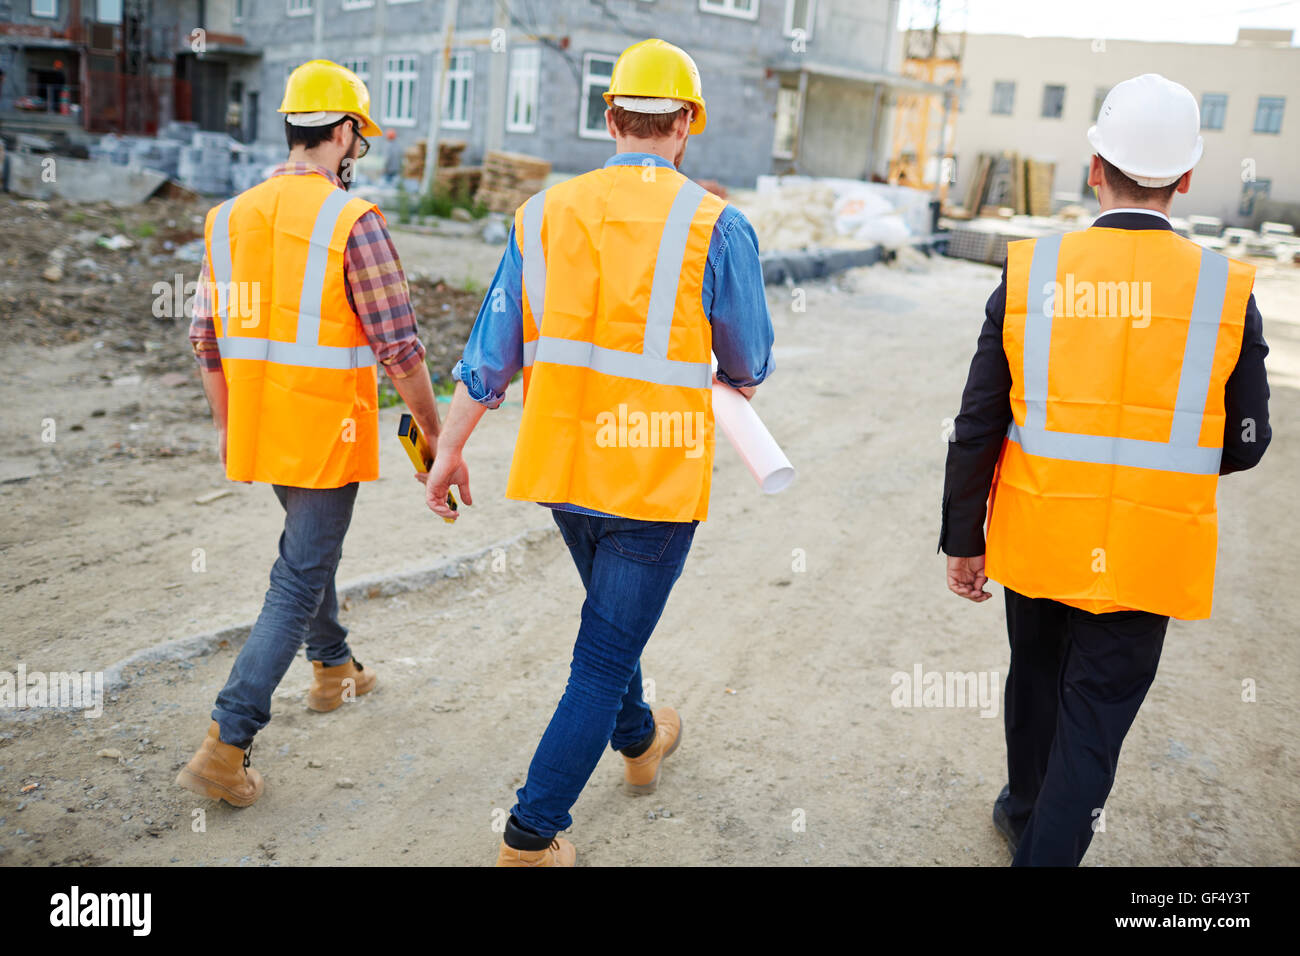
(750, 437)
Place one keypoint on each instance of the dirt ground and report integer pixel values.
(777, 647)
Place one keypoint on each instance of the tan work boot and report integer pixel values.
(641, 775)
(559, 853)
(328, 684)
(221, 771)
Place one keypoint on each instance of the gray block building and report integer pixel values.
(790, 84)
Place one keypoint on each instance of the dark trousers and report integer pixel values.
(1074, 686)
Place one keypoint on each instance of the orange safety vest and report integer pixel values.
(1120, 343)
(618, 407)
(304, 406)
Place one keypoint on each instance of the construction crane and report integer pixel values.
(925, 123)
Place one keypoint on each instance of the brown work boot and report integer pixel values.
(221, 771)
(330, 685)
(559, 853)
(641, 775)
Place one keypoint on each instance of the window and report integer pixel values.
(521, 97)
(1053, 101)
(596, 70)
(45, 8)
(357, 5)
(108, 11)
(299, 8)
(239, 11)
(1251, 191)
(360, 65)
(456, 89)
(1214, 109)
(799, 15)
(745, 9)
(1268, 114)
(400, 76)
(1004, 97)
(787, 122)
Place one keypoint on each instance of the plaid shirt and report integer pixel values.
(376, 289)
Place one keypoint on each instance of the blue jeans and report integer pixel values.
(628, 569)
(301, 605)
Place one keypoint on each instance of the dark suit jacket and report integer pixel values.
(986, 412)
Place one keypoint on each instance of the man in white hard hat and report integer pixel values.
(1119, 372)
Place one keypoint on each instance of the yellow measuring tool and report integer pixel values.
(417, 449)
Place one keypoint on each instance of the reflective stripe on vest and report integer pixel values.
(305, 351)
(1181, 453)
(651, 364)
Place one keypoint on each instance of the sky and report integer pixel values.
(1184, 21)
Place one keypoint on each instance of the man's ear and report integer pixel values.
(1185, 183)
(609, 123)
(1094, 171)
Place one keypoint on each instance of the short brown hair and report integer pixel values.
(646, 125)
(1125, 188)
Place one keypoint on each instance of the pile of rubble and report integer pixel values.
(800, 212)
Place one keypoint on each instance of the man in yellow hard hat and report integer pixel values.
(1119, 373)
(300, 298)
(616, 289)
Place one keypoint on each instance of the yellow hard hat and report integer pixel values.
(655, 69)
(323, 86)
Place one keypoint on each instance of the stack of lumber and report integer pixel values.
(449, 151)
(460, 183)
(509, 179)
(1009, 181)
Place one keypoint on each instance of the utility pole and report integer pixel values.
(435, 101)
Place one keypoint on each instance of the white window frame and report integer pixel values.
(297, 8)
(587, 79)
(789, 19)
(45, 8)
(360, 65)
(727, 8)
(523, 80)
(401, 68)
(458, 73)
(358, 4)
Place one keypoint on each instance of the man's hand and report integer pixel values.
(966, 578)
(748, 391)
(448, 469)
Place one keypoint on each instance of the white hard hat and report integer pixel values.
(1149, 128)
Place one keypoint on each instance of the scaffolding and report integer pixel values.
(925, 123)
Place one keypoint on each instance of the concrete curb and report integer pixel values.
(116, 676)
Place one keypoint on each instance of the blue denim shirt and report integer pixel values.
(733, 298)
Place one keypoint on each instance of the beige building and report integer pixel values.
(1038, 95)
